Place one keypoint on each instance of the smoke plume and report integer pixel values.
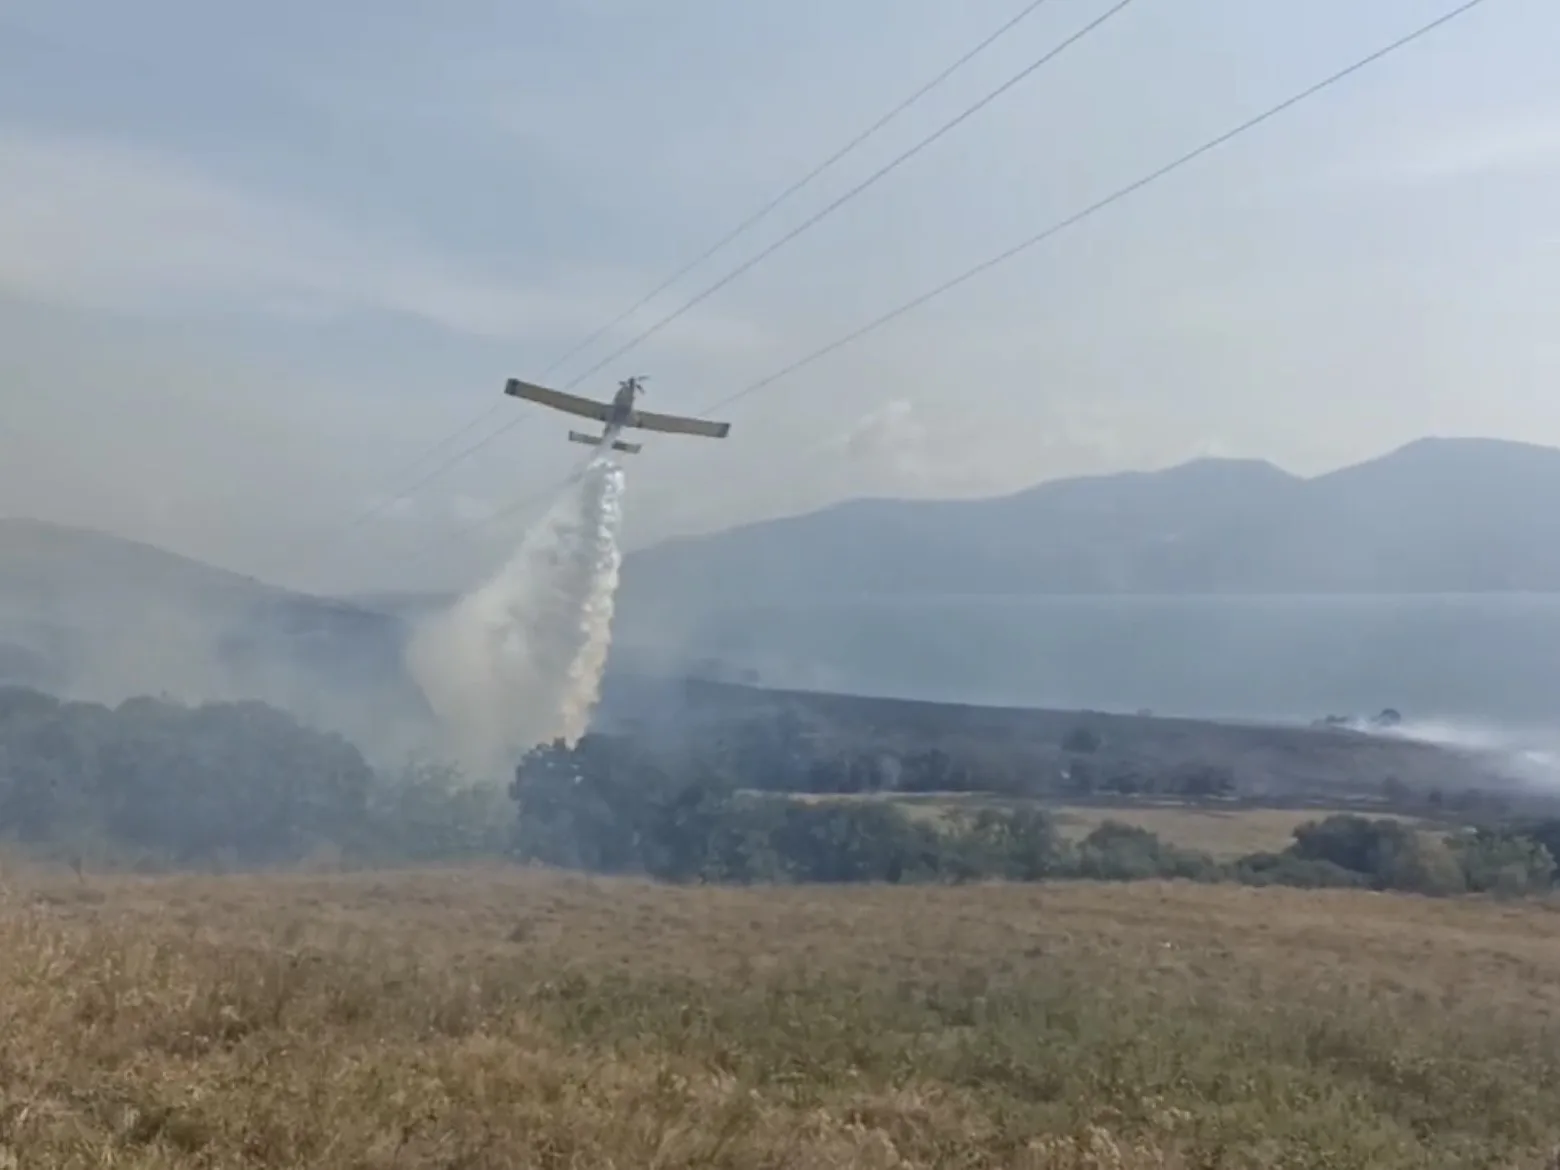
(1531, 755)
(518, 661)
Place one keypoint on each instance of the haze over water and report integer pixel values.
(1489, 659)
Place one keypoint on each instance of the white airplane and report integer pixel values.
(615, 415)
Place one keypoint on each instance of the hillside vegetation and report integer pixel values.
(814, 741)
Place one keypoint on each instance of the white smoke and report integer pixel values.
(518, 661)
(1531, 755)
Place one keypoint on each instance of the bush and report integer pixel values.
(1389, 855)
(1119, 852)
(1423, 865)
(239, 783)
(1506, 863)
(1287, 869)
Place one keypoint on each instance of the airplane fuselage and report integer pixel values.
(623, 405)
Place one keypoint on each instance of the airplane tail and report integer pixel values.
(595, 441)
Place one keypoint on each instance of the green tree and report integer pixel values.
(1121, 852)
(1506, 863)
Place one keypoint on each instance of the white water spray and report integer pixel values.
(518, 661)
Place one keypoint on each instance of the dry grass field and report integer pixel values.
(1223, 834)
(488, 1018)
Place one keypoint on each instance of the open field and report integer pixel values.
(487, 1018)
(1223, 834)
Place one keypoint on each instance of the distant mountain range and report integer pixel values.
(1436, 516)
(95, 615)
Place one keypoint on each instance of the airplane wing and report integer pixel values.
(673, 424)
(558, 400)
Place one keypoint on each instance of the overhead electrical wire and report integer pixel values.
(1098, 205)
(810, 222)
(735, 233)
(969, 55)
(882, 172)
(1039, 237)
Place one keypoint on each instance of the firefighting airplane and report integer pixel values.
(615, 415)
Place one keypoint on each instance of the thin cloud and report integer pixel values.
(1526, 144)
(896, 444)
(95, 225)
(892, 433)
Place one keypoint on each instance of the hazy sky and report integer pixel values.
(254, 260)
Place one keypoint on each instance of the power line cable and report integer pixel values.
(732, 235)
(1039, 237)
(1013, 22)
(1099, 205)
(991, 39)
(882, 172)
(817, 217)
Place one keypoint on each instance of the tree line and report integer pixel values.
(607, 806)
(160, 784)
(157, 783)
(780, 751)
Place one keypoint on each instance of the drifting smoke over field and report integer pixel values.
(1530, 755)
(518, 661)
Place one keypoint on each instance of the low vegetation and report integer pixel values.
(1224, 832)
(607, 806)
(156, 785)
(489, 1018)
(788, 741)
(780, 997)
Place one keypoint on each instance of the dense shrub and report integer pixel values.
(160, 784)
(242, 782)
(1124, 853)
(1287, 869)
(602, 806)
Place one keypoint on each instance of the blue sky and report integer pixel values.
(253, 261)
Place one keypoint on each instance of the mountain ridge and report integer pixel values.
(1436, 515)
(1166, 506)
(84, 609)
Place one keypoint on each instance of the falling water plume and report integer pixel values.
(518, 661)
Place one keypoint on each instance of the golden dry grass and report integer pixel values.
(1223, 834)
(488, 1018)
